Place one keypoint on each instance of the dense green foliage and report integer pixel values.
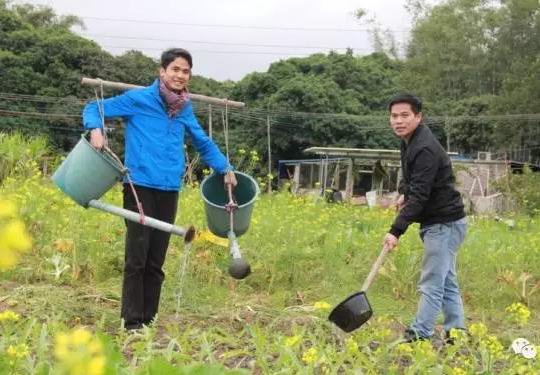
(523, 189)
(59, 300)
(465, 58)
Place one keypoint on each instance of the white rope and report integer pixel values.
(101, 109)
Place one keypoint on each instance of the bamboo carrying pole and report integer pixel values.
(127, 86)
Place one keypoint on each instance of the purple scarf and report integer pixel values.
(174, 101)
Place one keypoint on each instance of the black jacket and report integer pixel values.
(427, 183)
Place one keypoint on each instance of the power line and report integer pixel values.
(41, 99)
(263, 111)
(210, 51)
(293, 114)
(229, 26)
(524, 116)
(520, 116)
(222, 43)
(40, 126)
(277, 125)
(290, 126)
(36, 114)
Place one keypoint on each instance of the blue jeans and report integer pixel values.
(438, 283)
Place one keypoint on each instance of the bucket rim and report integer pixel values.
(347, 319)
(104, 155)
(257, 191)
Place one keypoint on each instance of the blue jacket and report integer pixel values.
(154, 143)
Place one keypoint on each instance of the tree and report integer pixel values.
(333, 83)
(470, 48)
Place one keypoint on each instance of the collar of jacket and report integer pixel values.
(418, 129)
(154, 89)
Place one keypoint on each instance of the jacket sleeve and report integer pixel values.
(204, 145)
(423, 170)
(118, 106)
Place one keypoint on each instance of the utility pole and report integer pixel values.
(447, 130)
(210, 120)
(269, 151)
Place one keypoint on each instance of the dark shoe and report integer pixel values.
(134, 326)
(411, 336)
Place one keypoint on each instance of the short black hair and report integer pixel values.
(411, 99)
(172, 54)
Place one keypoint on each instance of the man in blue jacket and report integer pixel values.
(157, 117)
(429, 197)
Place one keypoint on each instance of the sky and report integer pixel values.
(232, 38)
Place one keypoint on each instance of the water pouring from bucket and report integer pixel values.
(87, 174)
(229, 217)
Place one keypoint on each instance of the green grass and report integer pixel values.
(301, 251)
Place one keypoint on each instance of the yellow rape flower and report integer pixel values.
(292, 340)
(9, 315)
(310, 356)
(495, 348)
(7, 209)
(17, 351)
(404, 349)
(457, 371)
(457, 333)
(79, 352)
(478, 330)
(425, 349)
(382, 334)
(322, 305)
(8, 258)
(524, 370)
(13, 239)
(351, 345)
(96, 365)
(81, 336)
(518, 313)
(61, 348)
(14, 236)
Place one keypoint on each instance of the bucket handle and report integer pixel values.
(109, 155)
(116, 159)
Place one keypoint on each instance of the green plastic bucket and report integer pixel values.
(86, 173)
(215, 198)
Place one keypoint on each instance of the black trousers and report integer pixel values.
(145, 255)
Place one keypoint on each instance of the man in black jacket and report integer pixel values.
(428, 197)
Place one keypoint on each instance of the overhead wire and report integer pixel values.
(37, 114)
(252, 115)
(225, 43)
(232, 26)
(273, 53)
(263, 111)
